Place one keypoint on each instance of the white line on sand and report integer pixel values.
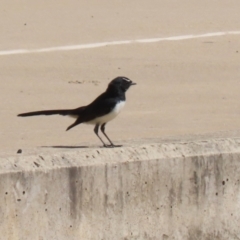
(103, 44)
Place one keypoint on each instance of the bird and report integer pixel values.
(99, 112)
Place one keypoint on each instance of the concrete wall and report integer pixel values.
(185, 190)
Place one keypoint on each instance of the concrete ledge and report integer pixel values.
(185, 190)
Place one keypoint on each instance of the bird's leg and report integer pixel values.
(103, 131)
(96, 132)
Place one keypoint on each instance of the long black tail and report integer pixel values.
(78, 112)
(48, 112)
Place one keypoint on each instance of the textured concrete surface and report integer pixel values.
(182, 190)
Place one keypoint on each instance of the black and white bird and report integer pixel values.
(102, 110)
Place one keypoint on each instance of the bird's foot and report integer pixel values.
(112, 146)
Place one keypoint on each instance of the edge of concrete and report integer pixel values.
(136, 152)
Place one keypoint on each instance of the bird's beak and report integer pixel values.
(132, 83)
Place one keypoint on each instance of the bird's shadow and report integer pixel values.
(74, 147)
(62, 146)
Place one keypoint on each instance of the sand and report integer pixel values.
(185, 87)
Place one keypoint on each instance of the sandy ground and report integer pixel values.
(187, 87)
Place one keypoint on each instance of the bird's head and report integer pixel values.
(121, 83)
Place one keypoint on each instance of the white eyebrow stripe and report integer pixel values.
(126, 79)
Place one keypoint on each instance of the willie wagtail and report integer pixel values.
(102, 110)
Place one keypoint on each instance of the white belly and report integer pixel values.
(110, 116)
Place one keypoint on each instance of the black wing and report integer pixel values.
(101, 106)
